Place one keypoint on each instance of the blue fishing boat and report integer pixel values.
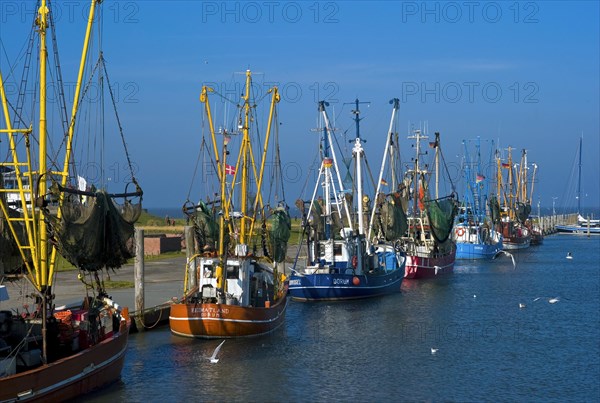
(342, 263)
(474, 231)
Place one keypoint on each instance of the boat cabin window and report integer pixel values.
(337, 249)
(233, 272)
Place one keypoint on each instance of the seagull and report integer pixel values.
(507, 254)
(474, 295)
(434, 350)
(569, 256)
(437, 268)
(213, 358)
(521, 305)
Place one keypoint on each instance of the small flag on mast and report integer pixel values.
(505, 165)
(229, 169)
(479, 178)
(384, 182)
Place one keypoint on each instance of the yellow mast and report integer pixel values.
(29, 220)
(244, 156)
(75, 108)
(204, 100)
(511, 190)
(42, 272)
(223, 220)
(274, 100)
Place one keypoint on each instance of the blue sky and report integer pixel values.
(524, 74)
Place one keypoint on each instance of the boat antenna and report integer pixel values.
(357, 118)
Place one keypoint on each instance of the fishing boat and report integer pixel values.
(474, 232)
(344, 262)
(512, 207)
(50, 352)
(582, 226)
(428, 243)
(235, 285)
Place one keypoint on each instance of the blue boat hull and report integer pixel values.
(477, 250)
(332, 287)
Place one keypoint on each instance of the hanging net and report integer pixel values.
(440, 213)
(494, 209)
(94, 232)
(522, 211)
(206, 229)
(279, 233)
(393, 222)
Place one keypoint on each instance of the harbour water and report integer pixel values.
(489, 349)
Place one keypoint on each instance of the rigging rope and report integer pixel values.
(118, 122)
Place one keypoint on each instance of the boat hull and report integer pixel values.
(334, 287)
(425, 266)
(70, 377)
(477, 250)
(517, 242)
(209, 320)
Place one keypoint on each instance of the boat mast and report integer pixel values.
(328, 132)
(71, 131)
(511, 190)
(388, 148)
(204, 100)
(579, 177)
(357, 150)
(223, 223)
(437, 164)
(244, 156)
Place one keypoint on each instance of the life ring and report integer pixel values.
(354, 261)
(460, 231)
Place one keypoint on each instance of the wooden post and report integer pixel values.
(190, 250)
(138, 274)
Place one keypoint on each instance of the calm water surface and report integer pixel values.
(380, 349)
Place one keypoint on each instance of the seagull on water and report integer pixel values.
(569, 256)
(434, 350)
(437, 268)
(507, 254)
(213, 358)
(521, 305)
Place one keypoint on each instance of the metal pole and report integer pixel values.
(138, 273)
(190, 251)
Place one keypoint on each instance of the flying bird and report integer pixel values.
(437, 268)
(507, 254)
(213, 358)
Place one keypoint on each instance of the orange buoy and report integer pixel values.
(355, 280)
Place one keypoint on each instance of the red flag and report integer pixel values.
(229, 169)
(479, 178)
(505, 165)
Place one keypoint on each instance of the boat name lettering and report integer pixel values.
(294, 282)
(208, 312)
(341, 281)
